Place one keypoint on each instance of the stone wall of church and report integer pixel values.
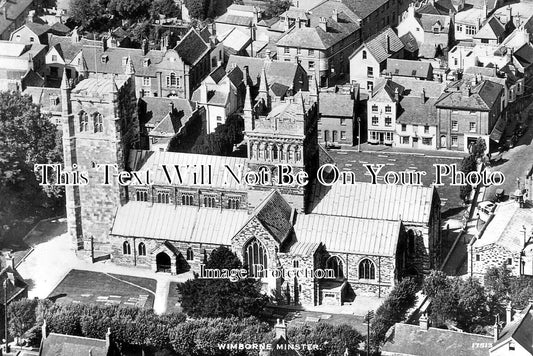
(200, 252)
(299, 290)
(385, 274)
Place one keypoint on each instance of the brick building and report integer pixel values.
(369, 242)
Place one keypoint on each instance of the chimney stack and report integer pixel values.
(4, 9)
(203, 93)
(423, 322)
(496, 331)
(423, 95)
(104, 43)
(280, 329)
(396, 94)
(388, 44)
(509, 313)
(335, 15)
(323, 24)
(145, 47)
(509, 13)
(108, 338)
(31, 16)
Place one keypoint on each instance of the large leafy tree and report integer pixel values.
(277, 7)
(91, 14)
(222, 297)
(129, 9)
(332, 339)
(26, 138)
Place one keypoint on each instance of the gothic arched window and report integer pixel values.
(142, 249)
(84, 121)
(255, 254)
(190, 254)
(98, 122)
(274, 153)
(335, 263)
(367, 269)
(126, 248)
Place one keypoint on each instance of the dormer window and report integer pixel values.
(146, 62)
(124, 61)
(104, 58)
(54, 101)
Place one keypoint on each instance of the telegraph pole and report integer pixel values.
(369, 316)
(358, 134)
(5, 317)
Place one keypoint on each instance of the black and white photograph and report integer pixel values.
(266, 177)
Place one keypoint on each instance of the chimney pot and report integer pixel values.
(423, 322)
(509, 313)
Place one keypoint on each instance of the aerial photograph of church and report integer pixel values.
(266, 177)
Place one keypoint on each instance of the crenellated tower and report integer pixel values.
(100, 125)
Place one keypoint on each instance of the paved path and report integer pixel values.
(52, 259)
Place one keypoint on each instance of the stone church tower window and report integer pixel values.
(142, 249)
(126, 248)
(367, 269)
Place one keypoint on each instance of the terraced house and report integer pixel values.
(369, 242)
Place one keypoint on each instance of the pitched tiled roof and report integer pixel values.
(524, 55)
(14, 10)
(192, 47)
(414, 87)
(407, 68)
(349, 235)
(428, 21)
(68, 345)
(304, 248)
(37, 28)
(377, 44)
(326, 8)
(414, 111)
(178, 223)
(157, 108)
(236, 20)
(492, 29)
(336, 105)
(276, 71)
(505, 229)
(363, 8)
(148, 160)
(15, 285)
(315, 37)
(482, 96)
(520, 329)
(386, 89)
(374, 201)
(406, 339)
(409, 42)
(275, 213)
(48, 98)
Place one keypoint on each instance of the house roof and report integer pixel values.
(37, 28)
(237, 20)
(326, 8)
(99, 86)
(336, 105)
(15, 284)
(178, 223)
(157, 108)
(276, 71)
(414, 111)
(492, 29)
(14, 10)
(385, 89)
(377, 44)
(315, 37)
(192, 47)
(520, 330)
(304, 248)
(414, 87)
(48, 98)
(406, 339)
(347, 234)
(406, 68)
(67, 345)
(505, 229)
(409, 42)
(148, 160)
(363, 8)
(482, 96)
(524, 55)
(373, 201)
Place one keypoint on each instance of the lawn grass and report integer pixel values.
(147, 283)
(94, 287)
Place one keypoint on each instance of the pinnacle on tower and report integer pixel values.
(248, 100)
(263, 86)
(64, 81)
(114, 87)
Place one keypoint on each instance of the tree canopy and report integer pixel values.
(277, 7)
(26, 138)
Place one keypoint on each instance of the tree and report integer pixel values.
(277, 7)
(222, 257)
(332, 339)
(129, 9)
(91, 14)
(26, 138)
(21, 315)
(197, 8)
(393, 310)
(478, 148)
(167, 8)
(468, 164)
